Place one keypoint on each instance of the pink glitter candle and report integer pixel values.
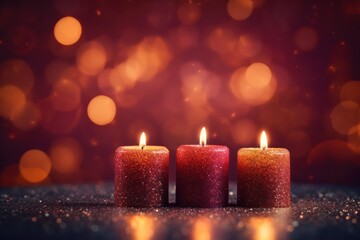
(141, 175)
(263, 176)
(202, 175)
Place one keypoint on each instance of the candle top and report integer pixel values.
(265, 151)
(217, 148)
(147, 148)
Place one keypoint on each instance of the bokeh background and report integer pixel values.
(79, 78)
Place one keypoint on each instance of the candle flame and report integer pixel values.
(263, 141)
(142, 142)
(203, 137)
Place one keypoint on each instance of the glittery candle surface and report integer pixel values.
(263, 177)
(202, 175)
(141, 176)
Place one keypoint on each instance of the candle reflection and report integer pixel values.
(202, 229)
(262, 228)
(142, 227)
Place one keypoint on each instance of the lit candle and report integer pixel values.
(202, 174)
(263, 176)
(141, 175)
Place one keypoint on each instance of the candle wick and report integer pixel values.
(142, 147)
(263, 148)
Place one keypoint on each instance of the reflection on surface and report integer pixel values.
(142, 227)
(202, 229)
(262, 228)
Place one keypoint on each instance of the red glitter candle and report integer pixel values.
(263, 176)
(202, 174)
(141, 175)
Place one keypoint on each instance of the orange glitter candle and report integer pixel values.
(263, 176)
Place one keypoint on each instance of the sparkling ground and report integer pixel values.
(87, 212)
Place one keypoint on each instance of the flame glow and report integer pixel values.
(142, 142)
(203, 137)
(263, 141)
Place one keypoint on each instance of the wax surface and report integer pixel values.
(263, 177)
(202, 175)
(141, 176)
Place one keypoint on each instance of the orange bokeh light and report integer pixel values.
(35, 165)
(350, 91)
(258, 74)
(66, 155)
(101, 110)
(67, 31)
(262, 228)
(345, 116)
(240, 9)
(11, 97)
(91, 58)
(202, 229)
(142, 227)
(244, 90)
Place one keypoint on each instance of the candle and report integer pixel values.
(263, 176)
(141, 175)
(202, 173)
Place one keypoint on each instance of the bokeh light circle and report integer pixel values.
(350, 91)
(35, 165)
(101, 110)
(91, 58)
(11, 97)
(247, 92)
(344, 116)
(240, 9)
(67, 31)
(66, 155)
(258, 74)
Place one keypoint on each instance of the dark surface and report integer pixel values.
(87, 212)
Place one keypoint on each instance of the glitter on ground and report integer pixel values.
(87, 212)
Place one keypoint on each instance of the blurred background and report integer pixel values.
(80, 78)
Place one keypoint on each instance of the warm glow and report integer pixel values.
(203, 137)
(67, 31)
(142, 142)
(101, 110)
(202, 229)
(263, 141)
(252, 92)
(35, 165)
(263, 229)
(142, 227)
(258, 75)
